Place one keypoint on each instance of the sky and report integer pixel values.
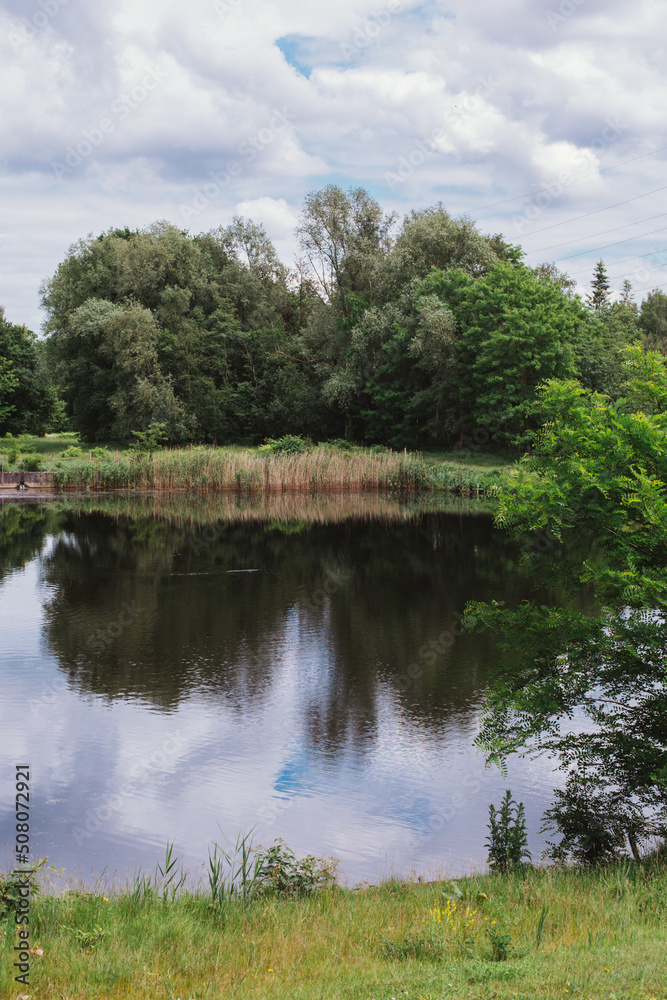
(540, 119)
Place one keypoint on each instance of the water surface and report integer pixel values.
(187, 668)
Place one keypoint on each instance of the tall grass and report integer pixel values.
(322, 467)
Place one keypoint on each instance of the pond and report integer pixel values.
(190, 668)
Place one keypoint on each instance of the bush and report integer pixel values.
(280, 873)
(288, 444)
(31, 463)
(72, 452)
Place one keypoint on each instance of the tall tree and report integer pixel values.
(343, 237)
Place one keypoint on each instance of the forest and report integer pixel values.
(416, 334)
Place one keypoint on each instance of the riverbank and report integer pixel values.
(539, 933)
(207, 468)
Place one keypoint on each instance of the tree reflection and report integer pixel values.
(148, 606)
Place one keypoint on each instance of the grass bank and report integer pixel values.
(325, 466)
(541, 933)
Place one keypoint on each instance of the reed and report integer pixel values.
(322, 467)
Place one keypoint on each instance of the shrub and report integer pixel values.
(288, 444)
(31, 463)
(278, 872)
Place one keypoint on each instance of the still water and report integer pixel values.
(188, 669)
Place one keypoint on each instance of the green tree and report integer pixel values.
(108, 366)
(591, 505)
(600, 348)
(513, 331)
(8, 383)
(28, 398)
(653, 321)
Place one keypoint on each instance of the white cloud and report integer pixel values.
(517, 94)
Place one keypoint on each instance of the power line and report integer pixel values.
(615, 263)
(628, 274)
(607, 245)
(597, 211)
(639, 222)
(592, 173)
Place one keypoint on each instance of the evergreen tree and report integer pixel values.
(599, 298)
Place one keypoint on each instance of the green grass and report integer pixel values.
(558, 933)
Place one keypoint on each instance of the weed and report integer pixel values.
(88, 939)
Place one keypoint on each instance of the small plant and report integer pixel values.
(540, 925)
(507, 841)
(429, 944)
(88, 939)
(168, 878)
(72, 452)
(501, 943)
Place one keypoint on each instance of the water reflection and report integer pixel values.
(307, 652)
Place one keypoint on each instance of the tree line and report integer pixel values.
(415, 334)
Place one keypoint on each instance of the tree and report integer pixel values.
(513, 331)
(211, 316)
(112, 381)
(600, 349)
(28, 399)
(591, 505)
(549, 272)
(599, 297)
(431, 238)
(653, 321)
(343, 237)
(8, 383)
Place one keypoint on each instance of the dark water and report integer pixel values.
(189, 669)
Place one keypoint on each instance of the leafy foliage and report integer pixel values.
(591, 505)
